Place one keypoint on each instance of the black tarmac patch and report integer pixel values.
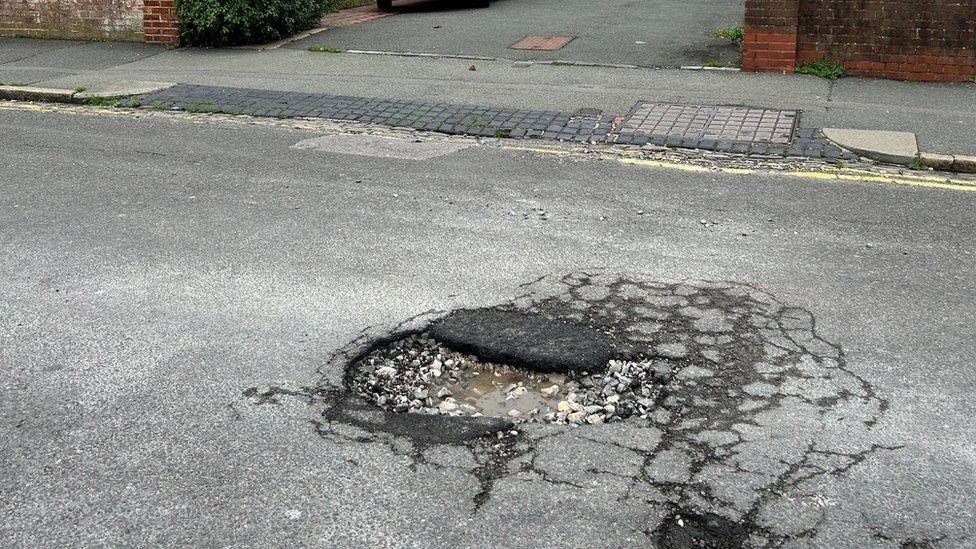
(528, 341)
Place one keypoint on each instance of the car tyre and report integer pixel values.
(384, 4)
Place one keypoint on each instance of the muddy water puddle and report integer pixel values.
(498, 390)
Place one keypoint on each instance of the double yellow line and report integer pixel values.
(829, 173)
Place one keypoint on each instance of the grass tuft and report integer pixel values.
(324, 49)
(918, 163)
(824, 68)
(101, 101)
(732, 33)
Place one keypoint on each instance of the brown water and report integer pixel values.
(496, 390)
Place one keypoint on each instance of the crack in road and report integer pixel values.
(759, 410)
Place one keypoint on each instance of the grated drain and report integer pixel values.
(711, 122)
(542, 43)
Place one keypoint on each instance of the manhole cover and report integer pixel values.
(711, 122)
(542, 43)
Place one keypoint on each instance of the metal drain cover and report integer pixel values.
(711, 122)
(542, 43)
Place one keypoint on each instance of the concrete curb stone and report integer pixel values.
(941, 162)
(123, 88)
(31, 93)
(113, 90)
(964, 164)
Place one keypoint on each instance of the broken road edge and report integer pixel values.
(888, 147)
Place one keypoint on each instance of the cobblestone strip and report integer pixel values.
(475, 120)
(421, 115)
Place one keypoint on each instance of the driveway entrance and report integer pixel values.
(653, 33)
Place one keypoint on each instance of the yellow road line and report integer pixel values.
(830, 173)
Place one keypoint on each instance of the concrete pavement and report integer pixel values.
(172, 285)
(939, 114)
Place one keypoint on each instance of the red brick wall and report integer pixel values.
(161, 22)
(930, 40)
(770, 35)
(135, 20)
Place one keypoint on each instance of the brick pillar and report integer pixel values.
(770, 35)
(161, 22)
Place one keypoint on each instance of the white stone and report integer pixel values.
(447, 406)
(550, 391)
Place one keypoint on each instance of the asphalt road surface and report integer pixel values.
(178, 301)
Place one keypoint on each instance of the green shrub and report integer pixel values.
(233, 22)
(831, 70)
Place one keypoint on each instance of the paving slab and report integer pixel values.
(84, 56)
(15, 49)
(940, 114)
(29, 75)
(122, 88)
(886, 146)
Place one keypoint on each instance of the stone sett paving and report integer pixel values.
(583, 127)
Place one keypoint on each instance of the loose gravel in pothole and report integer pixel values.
(417, 374)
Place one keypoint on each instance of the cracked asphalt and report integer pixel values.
(181, 297)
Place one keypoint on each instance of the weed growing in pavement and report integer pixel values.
(324, 49)
(12, 84)
(102, 101)
(80, 89)
(732, 33)
(162, 105)
(561, 64)
(917, 163)
(501, 134)
(824, 68)
(205, 105)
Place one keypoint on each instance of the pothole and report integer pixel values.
(419, 374)
(686, 530)
(758, 406)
